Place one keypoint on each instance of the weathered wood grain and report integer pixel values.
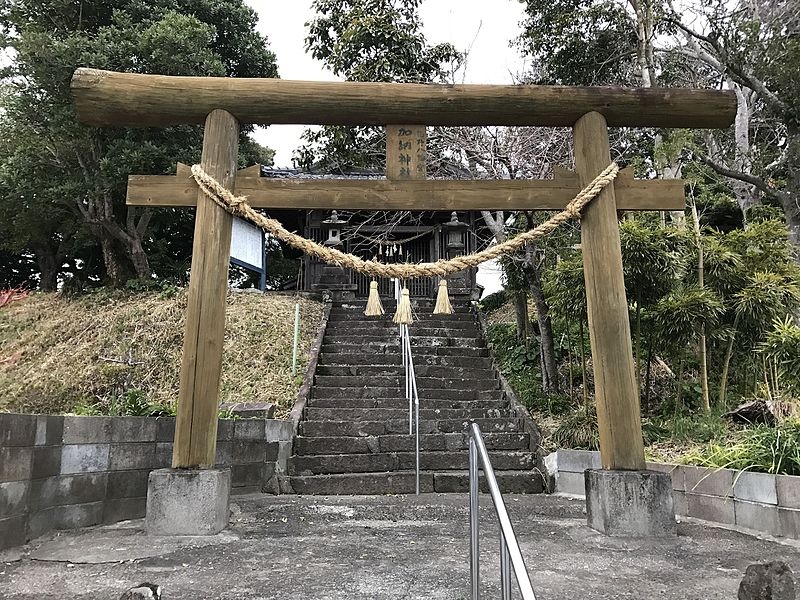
(616, 392)
(201, 364)
(137, 100)
(406, 152)
(460, 195)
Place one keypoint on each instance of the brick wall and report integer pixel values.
(60, 472)
(756, 501)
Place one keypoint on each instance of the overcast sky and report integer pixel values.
(484, 27)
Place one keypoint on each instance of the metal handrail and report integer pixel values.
(412, 395)
(509, 547)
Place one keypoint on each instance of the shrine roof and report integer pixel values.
(276, 173)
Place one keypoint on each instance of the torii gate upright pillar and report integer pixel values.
(622, 497)
(193, 497)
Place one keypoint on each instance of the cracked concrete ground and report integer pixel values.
(381, 547)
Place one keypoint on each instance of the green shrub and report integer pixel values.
(762, 448)
(578, 431)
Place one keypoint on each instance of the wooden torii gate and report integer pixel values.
(104, 98)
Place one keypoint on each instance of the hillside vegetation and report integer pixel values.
(119, 352)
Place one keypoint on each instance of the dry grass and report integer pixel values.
(57, 354)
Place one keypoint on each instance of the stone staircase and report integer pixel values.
(354, 439)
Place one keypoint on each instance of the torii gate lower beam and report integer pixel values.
(621, 498)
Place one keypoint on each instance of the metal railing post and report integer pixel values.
(510, 554)
(296, 337)
(416, 417)
(505, 569)
(404, 341)
(474, 565)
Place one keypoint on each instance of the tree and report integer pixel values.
(555, 38)
(755, 48)
(752, 272)
(63, 168)
(368, 40)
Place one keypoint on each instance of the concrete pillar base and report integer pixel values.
(188, 501)
(630, 503)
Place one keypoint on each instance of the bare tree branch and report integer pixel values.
(723, 64)
(745, 177)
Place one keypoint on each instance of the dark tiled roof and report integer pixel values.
(274, 173)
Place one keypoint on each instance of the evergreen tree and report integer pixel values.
(62, 185)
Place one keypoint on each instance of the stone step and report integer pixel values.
(423, 383)
(404, 482)
(420, 316)
(457, 328)
(350, 359)
(406, 443)
(401, 461)
(425, 414)
(458, 303)
(358, 330)
(403, 403)
(390, 326)
(373, 349)
(364, 341)
(397, 371)
(398, 392)
(310, 428)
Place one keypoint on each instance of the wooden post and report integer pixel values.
(406, 155)
(406, 151)
(196, 424)
(616, 393)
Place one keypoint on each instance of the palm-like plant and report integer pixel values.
(781, 348)
(681, 316)
(565, 290)
(650, 265)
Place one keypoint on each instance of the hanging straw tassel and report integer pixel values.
(403, 315)
(374, 306)
(443, 306)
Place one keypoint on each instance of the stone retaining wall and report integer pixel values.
(756, 501)
(60, 472)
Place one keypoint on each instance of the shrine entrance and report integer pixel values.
(131, 100)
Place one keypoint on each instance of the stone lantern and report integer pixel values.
(334, 227)
(455, 245)
(456, 230)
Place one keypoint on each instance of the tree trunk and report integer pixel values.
(117, 272)
(543, 317)
(569, 361)
(791, 211)
(746, 195)
(521, 315)
(584, 378)
(49, 262)
(141, 265)
(701, 282)
(545, 377)
(639, 342)
(791, 198)
(723, 382)
(650, 346)
(679, 389)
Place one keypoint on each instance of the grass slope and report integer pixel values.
(101, 351)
